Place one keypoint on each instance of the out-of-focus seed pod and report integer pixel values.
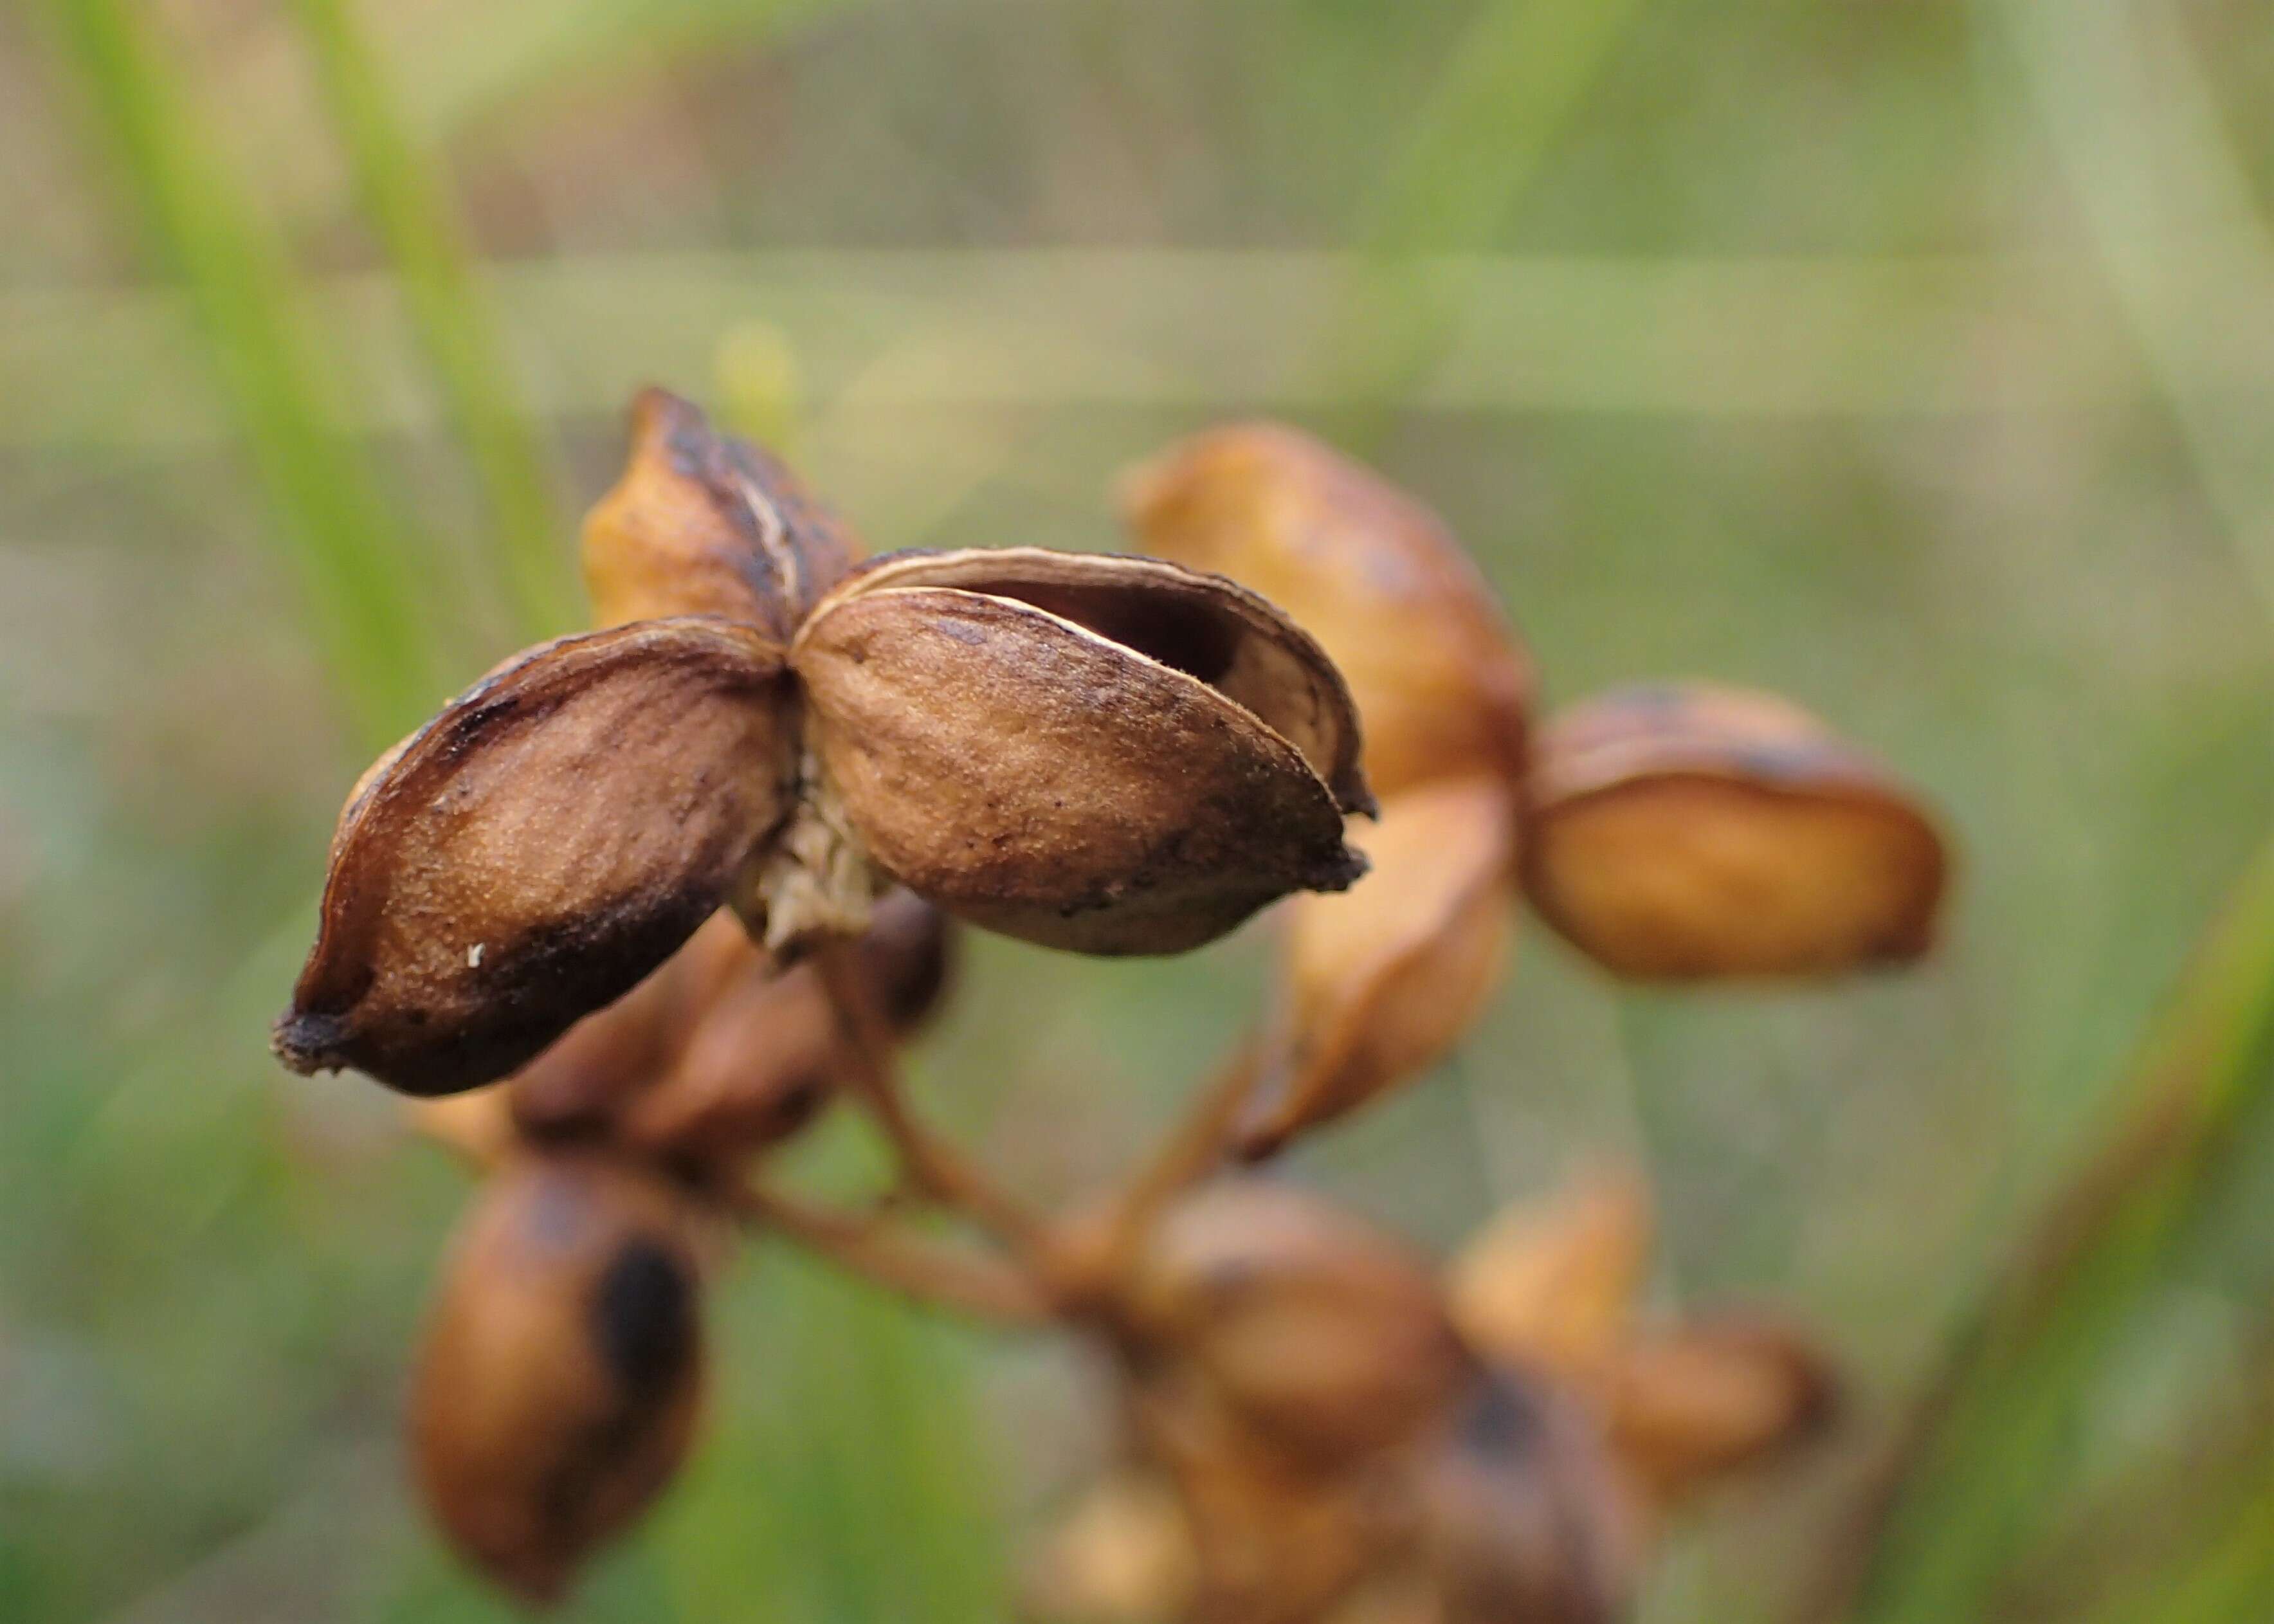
(1278, 1536)
(1123, 1555)
(907, 957)
(703, 525)
(1550, 1286)
(478, 1125)
(1691, 831)
(1712, 1398)
(721, 1052)
(1107, 755)
(1382, 981)
(532, 853)
(562, 1372)
(1314, 1326)
(1523, 1519)
(1441, 685)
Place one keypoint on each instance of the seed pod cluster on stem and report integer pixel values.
(632, 910)
(1671, 832)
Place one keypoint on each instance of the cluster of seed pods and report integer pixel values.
(632, 910)
(1321, 1426)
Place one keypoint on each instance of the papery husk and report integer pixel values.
(703, 523)
(1551, 1285)
(1687, 831)
(1315, 1328)
(1523, 1519)
(1098, 754)
(563, 1373)
(1381, 982)
(1716, 1396)
(1443, 685)
(532, 853)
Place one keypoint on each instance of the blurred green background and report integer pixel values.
(1916, 359)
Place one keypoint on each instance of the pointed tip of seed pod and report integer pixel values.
(307, 1042)
(656, 407)
(1339, 872)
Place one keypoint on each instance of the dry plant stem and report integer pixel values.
(880, 1250)
(931, 1164)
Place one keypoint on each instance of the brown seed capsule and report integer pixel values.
(1695, 831)
(1383, 981)
(1314, 1326)
(1441, 684)
(721, 1052)
(1523, 1520)
(562, 1372)
(1109, 755)
(1278, 1537)
(704, 524)
(1714, 1397)
(1124, 1554)
(530, 854)
(1550, 1286)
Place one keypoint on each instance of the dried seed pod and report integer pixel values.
(1278, 1538)
(1319, 1330)
(1551, 1285)
(1107, 755)
(530, 854)
(1714, 1397)
(1523, 1520)
(1124, 1554)
(703, 525)
(1692, 831)
(563, 1373)
(583, 1085)
(721, 1052)
(1441, 685)
(1383, 981)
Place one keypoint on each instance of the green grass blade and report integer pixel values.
(410, 201)
(337, 531)
(1989, 1447)
(1506, 92)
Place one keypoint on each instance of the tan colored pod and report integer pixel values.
(1312, 1325)
(1124, 1554)
(1523, 1518)
(701, 524)
(532, 853)
(1551, 1285)
(1278, 1536)
(563, 1369)
(1691, 831)
(1106, 755)
(1714, 1397)
(1441, 685)
(1383, 981)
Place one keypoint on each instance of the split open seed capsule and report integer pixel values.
(1381, 982)
(1551, 1285)
(534, 850)
(1523, 1518)
(1312, 1325)
(1715, 1397)
(1441, 684)
(1692, 831)
(1109, 755)
(562, 1372)
(702, 524)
